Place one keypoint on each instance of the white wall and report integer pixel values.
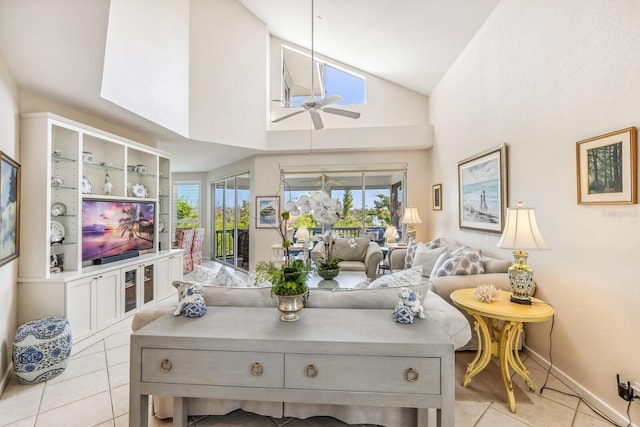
(228, 74)
(9, 137)
(541, 76)
(146, 63)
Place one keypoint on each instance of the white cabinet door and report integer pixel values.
(80, 300)
(107, 299)
(169, 268)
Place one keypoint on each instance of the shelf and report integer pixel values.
(102, 166)
(58, 159)
(63, 187)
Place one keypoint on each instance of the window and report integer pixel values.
(328, 79)
(186, 200)
(371, 200)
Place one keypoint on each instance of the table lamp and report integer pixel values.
(521, 233)
(302, 234)
(411, 217)
(391, 234)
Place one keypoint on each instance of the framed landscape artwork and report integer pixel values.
(482, 190)
(436, 193)
(9, 209)
(267, 211)
(607, 168)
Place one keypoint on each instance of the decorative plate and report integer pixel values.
(56, 233)
(58, 209)
(160, 225)
(139, 190)
(87, 188)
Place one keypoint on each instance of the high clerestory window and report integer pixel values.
(328, 79)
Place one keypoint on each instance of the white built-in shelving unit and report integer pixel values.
(66, 162)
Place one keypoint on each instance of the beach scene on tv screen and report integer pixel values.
(112, 228)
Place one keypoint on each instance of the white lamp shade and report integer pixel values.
(411, 216)
(390, 232)
(521, 231)
(302, 233)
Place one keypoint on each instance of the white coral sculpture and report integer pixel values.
(486, 292)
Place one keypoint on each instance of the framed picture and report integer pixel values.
(267, 211)
(607, 168)
(9, 209)
(482, 192)
(436, 197)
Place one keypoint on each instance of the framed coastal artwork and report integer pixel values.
(607, 168)
(267, 211)
(482, 190)
(436, 197)
(9, 209)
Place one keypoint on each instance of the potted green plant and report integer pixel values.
(289, 285)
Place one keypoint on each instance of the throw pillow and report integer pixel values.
(204, 275)
(228, 279)
(412, 276)
(460, 265)
(427, 257)
(410, 254)
(412, 246)
(441, 259)
(351, 250)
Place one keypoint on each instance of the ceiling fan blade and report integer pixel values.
(331, 99)
(317, 120)
(279, 119)
(345, 113)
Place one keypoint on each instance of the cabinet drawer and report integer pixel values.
(228, 368)
(363, 373)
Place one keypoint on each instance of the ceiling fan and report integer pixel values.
(326, 179)
(314, 104)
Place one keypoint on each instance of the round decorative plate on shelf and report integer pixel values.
(56, 232)
(87, 188)
(160, 225)
(139, 190)
(58, 209)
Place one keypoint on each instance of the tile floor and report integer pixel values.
(94, 391)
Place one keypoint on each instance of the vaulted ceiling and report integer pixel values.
(55, 50)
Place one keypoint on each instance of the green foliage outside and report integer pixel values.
(187, 212)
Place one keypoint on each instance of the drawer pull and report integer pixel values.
(311, 371)
(257, 369)
(166, 365)
(412, 375)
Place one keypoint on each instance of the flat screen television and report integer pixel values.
(113, 228)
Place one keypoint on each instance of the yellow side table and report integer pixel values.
(500, 335)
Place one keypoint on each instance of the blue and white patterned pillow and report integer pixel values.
(461, 265)
(413, 245)
(412, 276)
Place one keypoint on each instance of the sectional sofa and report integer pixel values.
(379, 294)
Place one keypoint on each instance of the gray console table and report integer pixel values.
(331, 356)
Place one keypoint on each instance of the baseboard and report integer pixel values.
(593, 400)
(5, 379)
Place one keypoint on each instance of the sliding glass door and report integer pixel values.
(231, 216)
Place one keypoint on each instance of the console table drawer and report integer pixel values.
(225, 368)
(363, 373)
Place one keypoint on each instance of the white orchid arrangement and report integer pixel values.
(324, 208)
